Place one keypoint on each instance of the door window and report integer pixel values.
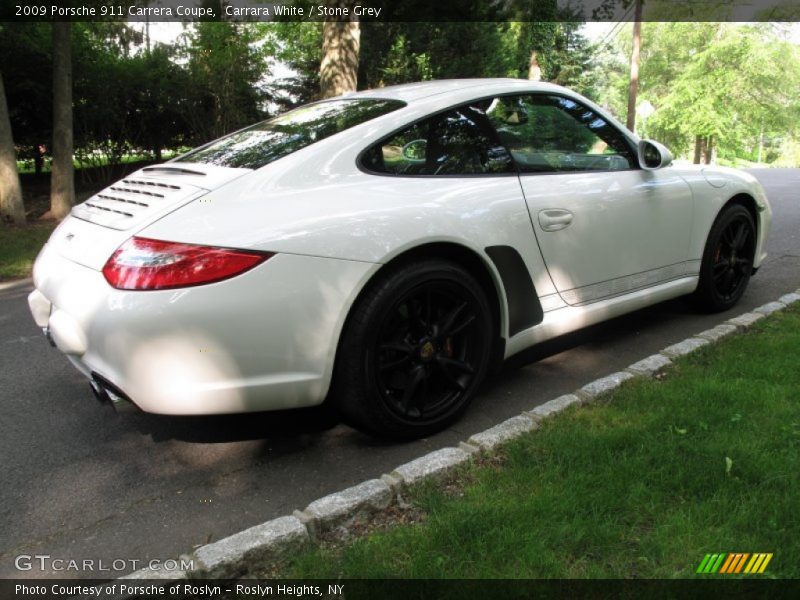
(552, 134)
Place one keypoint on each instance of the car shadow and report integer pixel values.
(218, 429)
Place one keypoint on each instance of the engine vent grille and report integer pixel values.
(121, 204)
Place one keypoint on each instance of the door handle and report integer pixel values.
(555, 219)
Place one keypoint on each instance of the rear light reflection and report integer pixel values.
(145, 264)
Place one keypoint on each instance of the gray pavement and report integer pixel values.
(80, 482)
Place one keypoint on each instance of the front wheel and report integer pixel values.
(414, 350)
(727, 259)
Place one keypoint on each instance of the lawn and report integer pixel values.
(703, 460)
(19, 247)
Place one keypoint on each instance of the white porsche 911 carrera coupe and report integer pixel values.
(384, 249)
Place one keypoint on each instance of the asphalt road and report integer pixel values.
(80, 482)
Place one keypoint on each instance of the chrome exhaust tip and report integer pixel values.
(120, 403)
(98, 391)
(105, 393)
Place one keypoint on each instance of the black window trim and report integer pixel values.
(516, 171)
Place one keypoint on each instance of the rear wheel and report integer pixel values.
(727, 260)
(415, 350)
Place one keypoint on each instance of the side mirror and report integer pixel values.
(653, 155)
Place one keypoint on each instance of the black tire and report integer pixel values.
(415, 349)
(727, 260)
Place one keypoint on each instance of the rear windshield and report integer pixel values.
(270, 140)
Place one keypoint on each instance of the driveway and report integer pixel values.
(80, 482)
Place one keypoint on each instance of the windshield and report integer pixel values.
(270, 140)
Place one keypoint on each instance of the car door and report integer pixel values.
(604, 226)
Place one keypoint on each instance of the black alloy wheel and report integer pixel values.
(415, 350)
(728, 259)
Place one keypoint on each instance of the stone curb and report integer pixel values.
(647, 367)
(339, 508)
(553, 407)
(434, 465)
(505, 431)
(605, 385)
(685, 347)
(233, 555)
(230, 556)
(746, 320)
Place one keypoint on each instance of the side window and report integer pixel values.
(458, 142)
(551, 134)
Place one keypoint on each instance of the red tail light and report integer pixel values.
(145, 264)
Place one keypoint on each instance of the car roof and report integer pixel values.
(410, 92)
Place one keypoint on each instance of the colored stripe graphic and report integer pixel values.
(734, 562)
(728, 561)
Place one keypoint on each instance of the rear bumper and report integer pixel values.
(264, 340)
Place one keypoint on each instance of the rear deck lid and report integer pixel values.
(97, 227)
(149, 193)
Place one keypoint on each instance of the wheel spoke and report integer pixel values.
(415, 316)
(397, 347)
(451, 379)
(428, 307)
(728, 236)
(462, 326)
(447, 322)
(415, 377)
(743, 265)
(422, 397)
(727, 280)
(719, 269)
(739, 237)
(393, 364)
(459, 365)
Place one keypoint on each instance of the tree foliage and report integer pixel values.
(399, 52)
(730, 88)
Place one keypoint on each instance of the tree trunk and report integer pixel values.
(534, 70)
(634, 82)
(711, 152)
(338, 71)
(38, 159)
(699, 149)
(10, 191)
(62, 184)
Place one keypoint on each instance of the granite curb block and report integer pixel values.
(770, 307)
(717, 333)
(436, 464)
(789, 299)
(685, 347)
(230, 556)
(233, 555)
(342, 507)
(553, 407)
(746, 320)
(604, 385)
(651, 365)
(504, 432)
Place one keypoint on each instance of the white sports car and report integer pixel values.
(383, 249)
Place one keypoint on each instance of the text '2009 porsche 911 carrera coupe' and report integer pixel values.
(383, 250)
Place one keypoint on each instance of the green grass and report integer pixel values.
(704, 460)
(19, 247)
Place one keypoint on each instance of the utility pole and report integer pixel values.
(634, 83)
